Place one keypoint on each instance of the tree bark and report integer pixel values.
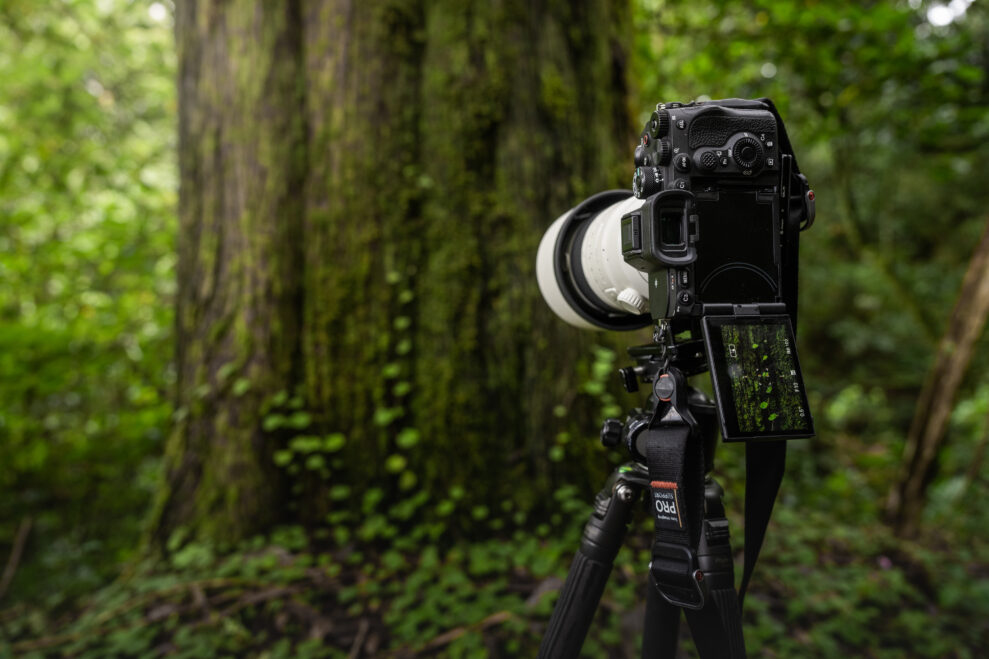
(241, 160)
(930, 421)
(363, 186)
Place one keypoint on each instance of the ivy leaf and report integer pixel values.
(395, 463)
(334, 442)
(241, 386)
(408, 438)
(300, 420)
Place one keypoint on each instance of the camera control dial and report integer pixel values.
(659, 123)
(663, 153)
(747, 153)
(646, 182)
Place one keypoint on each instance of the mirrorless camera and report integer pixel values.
(716, 199)
(705, 246)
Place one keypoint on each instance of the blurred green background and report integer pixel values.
(887, 104)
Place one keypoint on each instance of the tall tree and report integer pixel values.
(363, 186)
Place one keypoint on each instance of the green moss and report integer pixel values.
(436, 164)
(240, 218)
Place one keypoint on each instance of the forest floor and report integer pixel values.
(820, 590)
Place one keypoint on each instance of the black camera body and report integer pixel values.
(722, 197)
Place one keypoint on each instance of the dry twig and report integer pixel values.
(20, 539)
(362, 628)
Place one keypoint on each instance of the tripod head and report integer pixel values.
(699, 411)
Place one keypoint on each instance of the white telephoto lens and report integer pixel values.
(581, 272)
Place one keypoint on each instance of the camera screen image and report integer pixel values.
(757, 380)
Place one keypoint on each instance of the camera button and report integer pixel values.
(681, 124)
(685, 298)
(682, 162)
(680, 184)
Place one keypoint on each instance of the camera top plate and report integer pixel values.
(699, 145)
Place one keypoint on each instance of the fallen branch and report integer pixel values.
(20, 539)
(937, 396)
(99, 626)
(448, 637)
(362, 628)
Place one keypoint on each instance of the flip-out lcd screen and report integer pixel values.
(757, 382)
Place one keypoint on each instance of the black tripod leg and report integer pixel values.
(662, 626)
(589, 572)
(717, 628)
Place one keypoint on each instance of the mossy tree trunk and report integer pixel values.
(363, 188)
(242, 172)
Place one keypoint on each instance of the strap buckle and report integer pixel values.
(674, 573)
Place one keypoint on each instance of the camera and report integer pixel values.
(705, 247)
(716, 201)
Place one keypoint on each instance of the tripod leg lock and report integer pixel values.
(674, 573)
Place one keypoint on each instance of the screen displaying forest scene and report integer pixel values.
(765, 383)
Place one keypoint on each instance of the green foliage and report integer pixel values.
(87, 196)
(888, 116)
(822, 590)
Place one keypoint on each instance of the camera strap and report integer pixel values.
(675, 458)
(765, 463)
(676, 472)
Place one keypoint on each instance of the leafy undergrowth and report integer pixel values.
(821, 590)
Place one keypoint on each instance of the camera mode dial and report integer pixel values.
(659, 123)
(747, 153)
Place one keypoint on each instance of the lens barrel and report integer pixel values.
(581, 271)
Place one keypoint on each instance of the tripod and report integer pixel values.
(672, 445)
